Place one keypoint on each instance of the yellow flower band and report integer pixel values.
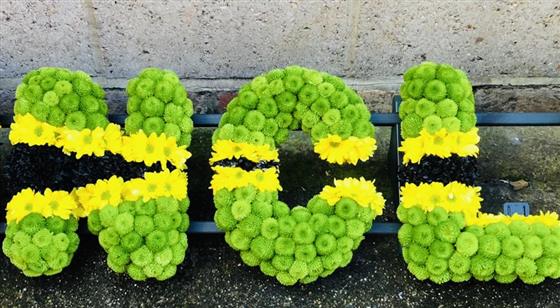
(453, 197)
(361, 191)
(441, 144)
(135, 148)
(334, 149)
(456, 197)
(52, 203)
(227, 149)
(115, 190)
(550, 219)
(234, 177)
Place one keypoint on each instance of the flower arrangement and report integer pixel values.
(61, 97)
(281, 100)
(158, 103)
(436, 96)
(131, 187)
(41, 233)
(298, 244)
(445, 236)
(141, 223)
(137, 147)
(442, 245)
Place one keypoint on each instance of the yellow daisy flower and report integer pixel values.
(134, 189)
(176, 184)
(360, 190)
(227, 149)
(548, 218)
(454, 197)
(436, 144)
(102, 193)
(465, 144)
(265, 180)
(21, 205)
(229, 178)
(441, 144)
(177, 155)
(113, 138)
(413, 149)
(351, 150)
(57, 203)
(155, 184)
(26, 129)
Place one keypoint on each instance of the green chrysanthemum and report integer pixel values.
(440, 95)
(41, 246)
(158, 103)
(144, 239)
(298, 244)
(61, 97)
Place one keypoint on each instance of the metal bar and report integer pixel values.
(209, 227)
(212, 120)
(393, 154)
(518, 119)
(386, 119)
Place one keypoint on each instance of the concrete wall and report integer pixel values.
(511, 49)
(230, 39)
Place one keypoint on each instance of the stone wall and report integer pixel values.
(511, 49)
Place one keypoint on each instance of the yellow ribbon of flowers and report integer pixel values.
(334, 149)
(234, 177)
(441, 144)
(227, 149)
(361, 191)
(453, 197)
(549, 218)
(135, 148)
(457, 197)
(115, 190)
(51, 203)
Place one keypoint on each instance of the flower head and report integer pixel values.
(57, 203)
(442, 144)
(361, 191)
(26, 129)
(334, 149)
(21, 205)
(227, 149)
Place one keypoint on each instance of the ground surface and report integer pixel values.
(214, 274)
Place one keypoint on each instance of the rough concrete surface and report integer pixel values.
(222, 39)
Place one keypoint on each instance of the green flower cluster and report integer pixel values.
(143, 239)
(41, 246)
(298, 244)
(287, 99)
(158, 103)
(437, 246)
(61, 97)
(436, 96)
